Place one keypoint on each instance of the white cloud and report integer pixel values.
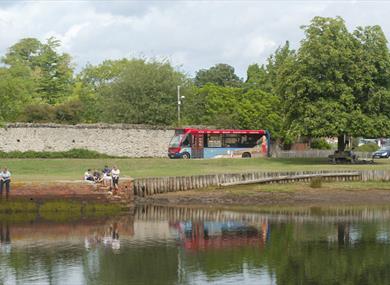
(192, 34)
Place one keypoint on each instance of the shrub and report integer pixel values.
(370, 147)
(38, 113)
(73, 153)
(320, 144)
(69, 112)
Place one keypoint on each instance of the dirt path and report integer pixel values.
(302, 197)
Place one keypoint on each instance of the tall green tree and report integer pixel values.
(15, 94)
(49, 70)
(335, 76)
(143, 93)
(220, 74)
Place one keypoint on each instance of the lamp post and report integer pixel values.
(179, 98)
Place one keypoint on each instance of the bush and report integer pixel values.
(38, 113)
(69, 112)
(65, 113)
(370, 147)
(320, 144)
(73, 153)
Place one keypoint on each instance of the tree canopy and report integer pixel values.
(220, 74)
(336, 83)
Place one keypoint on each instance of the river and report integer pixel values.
(160, 245)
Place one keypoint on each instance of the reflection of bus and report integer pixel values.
(204, 143)
(218, 235)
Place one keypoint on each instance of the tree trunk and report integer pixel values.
(341, 143)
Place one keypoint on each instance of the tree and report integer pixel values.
(41, 63)
(143, 93)
(14, 95)
(231, 107)
(334, 79)
(220, 74)
(258, 77)
(268, 77)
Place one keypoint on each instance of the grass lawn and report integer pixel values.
(73, 169)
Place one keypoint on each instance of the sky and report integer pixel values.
(193, 35)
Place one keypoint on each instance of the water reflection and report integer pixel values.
(158, 245)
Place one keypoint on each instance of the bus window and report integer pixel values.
(214, 140)
(175, 141)
(231, 140)
(187, 141)
(249, 140)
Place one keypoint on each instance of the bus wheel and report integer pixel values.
(186, 155)
(246, 155)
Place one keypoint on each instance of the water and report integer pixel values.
(160, 246)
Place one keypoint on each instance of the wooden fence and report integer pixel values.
(314, 153)
(155, 185)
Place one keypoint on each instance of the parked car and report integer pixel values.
(384, 152)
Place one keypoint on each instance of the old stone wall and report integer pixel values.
(118, 140)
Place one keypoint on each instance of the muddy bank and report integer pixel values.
(305, 197)
(78, 190)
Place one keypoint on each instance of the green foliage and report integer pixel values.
(144, 92)
(335, 81)
(369, 147)
(320, 144)
(38, 113)
(68, 112)
(15, 93)
(50, 72)
(73, 153)
(230, 107)
(220, 74)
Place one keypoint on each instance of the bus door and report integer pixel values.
(197, 150)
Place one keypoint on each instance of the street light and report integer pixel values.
(179, 98)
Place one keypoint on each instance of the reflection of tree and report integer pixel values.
(343, 236)
(145, 264)
(315, 260)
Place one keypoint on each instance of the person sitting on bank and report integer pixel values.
(88, 176)
(115, 172)
(5, 179)
(97, 177)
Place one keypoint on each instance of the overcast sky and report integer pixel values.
(192, 34)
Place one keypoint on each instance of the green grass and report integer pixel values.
(73, 169)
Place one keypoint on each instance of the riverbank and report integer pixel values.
(69, 198)
(299, 194)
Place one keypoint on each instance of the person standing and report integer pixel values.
(264, 145)
(115, 172)
(107, 179)
(5, 179)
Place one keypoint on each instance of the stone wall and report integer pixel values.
(118, 140)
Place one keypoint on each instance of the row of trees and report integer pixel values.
(336, 83)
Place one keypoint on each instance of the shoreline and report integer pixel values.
(273, 197)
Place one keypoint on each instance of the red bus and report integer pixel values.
(205, 143)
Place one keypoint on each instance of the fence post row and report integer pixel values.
(155, 185)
